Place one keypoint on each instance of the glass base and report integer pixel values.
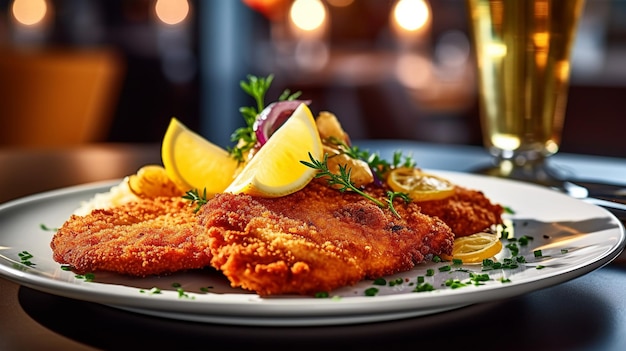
(536, 171)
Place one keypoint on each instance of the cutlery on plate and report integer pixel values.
(610, 196)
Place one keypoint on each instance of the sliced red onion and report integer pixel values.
(273, 116)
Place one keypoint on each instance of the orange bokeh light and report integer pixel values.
(29, 12)
(172, 11)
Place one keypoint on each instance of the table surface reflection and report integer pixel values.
(587, 313)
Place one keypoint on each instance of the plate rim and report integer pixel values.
(287, 315)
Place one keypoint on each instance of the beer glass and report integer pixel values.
(523, 54)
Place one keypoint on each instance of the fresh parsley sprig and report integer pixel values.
(245, 136)
(343, 181)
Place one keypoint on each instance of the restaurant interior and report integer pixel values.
(89, 87)
(113, 71)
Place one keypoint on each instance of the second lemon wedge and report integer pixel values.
(275, 170)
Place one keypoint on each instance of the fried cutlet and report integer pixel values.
(466, 212)
(149, 236)
(317, 239)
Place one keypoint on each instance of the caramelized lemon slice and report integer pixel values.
(475, 248)
(275, 170)
(152, 181)
(419, 185)
(193, 162)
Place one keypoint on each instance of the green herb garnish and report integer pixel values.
(377, 164)
(380, 281)
(206, 289)
(343, 181)
(183, 295)
(424, 287)
(196, 198)
(371, 292)
(48, 229)
(88, 277)
(321, 295)
(152, 291)
(455, 283)
(245, 137)
(25, 257)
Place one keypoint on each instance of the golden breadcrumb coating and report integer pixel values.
(149, 236)
(466, 212)
(317, 239)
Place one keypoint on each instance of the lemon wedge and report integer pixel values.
(275, 170)
(192, 162)
(475, 248)
(419, 185)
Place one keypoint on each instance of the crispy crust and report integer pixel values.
(466, 212)
(317, 239)
(140, 238)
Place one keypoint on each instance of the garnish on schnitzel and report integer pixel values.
(303, 211)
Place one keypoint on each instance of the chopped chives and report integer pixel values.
(321, 294)
(380, 281)
(424, 287)
(371, 292)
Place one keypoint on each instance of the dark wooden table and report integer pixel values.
(587, 313)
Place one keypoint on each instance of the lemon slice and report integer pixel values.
(193, 162)
(419, 185)
(275, 170)
(152, 181)
(475, 248)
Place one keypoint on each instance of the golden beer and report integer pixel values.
(523, 54)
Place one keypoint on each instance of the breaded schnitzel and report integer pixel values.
(149, 236)
(466, 212)
(317, 239)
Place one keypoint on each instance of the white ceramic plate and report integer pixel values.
(574, 237)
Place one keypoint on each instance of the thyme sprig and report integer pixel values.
(391, 195)
(196, 198)
(245, 136)
(343, 181)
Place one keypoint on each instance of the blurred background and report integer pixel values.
(81, 71)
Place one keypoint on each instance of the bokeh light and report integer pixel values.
(411, 15)
(29, 12)
(308, 15)
(171, 11)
